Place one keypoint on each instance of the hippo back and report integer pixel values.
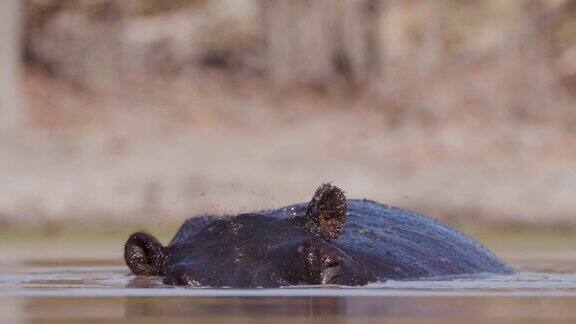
(401, 244)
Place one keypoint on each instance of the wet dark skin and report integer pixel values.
(327, 241)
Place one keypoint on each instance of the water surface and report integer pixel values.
(107, 292)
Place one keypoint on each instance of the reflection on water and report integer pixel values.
(108, 292)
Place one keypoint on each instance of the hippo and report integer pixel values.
(328, 241)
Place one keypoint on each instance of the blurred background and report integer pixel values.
(118, 114)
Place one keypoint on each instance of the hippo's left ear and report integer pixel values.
(326, 212)
(143, 253)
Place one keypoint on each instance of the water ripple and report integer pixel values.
(110, 281)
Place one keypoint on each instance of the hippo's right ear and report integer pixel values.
(327, 212)
(142, 253)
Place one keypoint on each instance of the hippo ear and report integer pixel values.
(142, 252)
(326, 212)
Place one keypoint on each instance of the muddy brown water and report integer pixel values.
(99, 291)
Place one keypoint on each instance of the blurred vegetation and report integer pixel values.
(372, 46)
(38, 11)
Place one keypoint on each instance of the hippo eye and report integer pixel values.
(333, 264)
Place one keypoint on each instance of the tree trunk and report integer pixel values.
(321, 42)
(10, 111)
(433, 35)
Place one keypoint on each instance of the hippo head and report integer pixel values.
(256, 250)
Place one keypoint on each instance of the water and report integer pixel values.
(108, 292)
